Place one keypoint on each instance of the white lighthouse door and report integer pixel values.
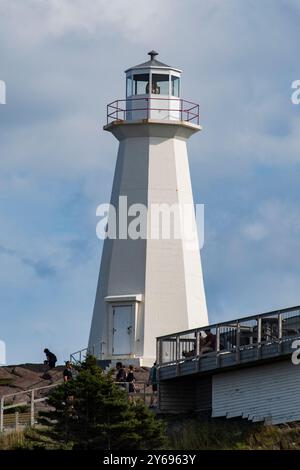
(122, 329)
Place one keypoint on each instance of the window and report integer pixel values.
(174, 86)
(141, 84)
(128, 86)
(160, 84)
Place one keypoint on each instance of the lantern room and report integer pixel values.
(153, 91)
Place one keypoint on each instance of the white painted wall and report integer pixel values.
(152, 167)
(267, 393)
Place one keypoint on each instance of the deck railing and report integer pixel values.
(234, 337)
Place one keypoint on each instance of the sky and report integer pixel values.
(62, 62)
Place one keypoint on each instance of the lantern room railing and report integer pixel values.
(134, 109)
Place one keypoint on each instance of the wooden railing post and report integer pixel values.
(16, 420)
(198, 343)
(258, 337)
(177, 348)
(217, 345)
(32, 421)
(2, 414)
(218, 339)
(279, 332)
(198, 350)
(177, 353)
(158, 351)
(238, 341)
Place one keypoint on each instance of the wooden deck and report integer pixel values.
(239, 343)
(212, 362)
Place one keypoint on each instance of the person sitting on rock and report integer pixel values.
(51, 359)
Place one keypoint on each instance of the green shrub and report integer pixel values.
(92, 412)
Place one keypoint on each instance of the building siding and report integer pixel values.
(268, 393)
(186, 394)
(177, 395)
(204, 395)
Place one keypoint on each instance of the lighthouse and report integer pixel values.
(150, 283)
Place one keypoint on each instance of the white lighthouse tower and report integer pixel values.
(149, 285)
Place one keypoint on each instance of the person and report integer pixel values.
(51, 359)
(121, 373)
(130, 379)
(209, 342)
(153, 382)
(68, 375)
(68, 372)
(155, 90)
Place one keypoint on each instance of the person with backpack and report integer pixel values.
(51, 359)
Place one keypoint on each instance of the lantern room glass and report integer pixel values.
(160, 84)
(140, 84)
(175, 86)
(128, 86)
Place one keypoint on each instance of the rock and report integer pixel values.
(26, 376)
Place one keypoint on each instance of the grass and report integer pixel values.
(187, 434)
(232, 435)
(30, 439)
(12, 440)
(8, 382)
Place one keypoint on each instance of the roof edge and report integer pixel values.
(139, 67)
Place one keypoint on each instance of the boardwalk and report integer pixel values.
(263, 337)
(245, 372)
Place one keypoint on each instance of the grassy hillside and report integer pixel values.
(234, 435)
(189, 435)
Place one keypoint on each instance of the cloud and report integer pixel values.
(42, 268)
(57, 18)
(255, 231)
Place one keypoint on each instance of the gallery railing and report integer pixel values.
(174, 109)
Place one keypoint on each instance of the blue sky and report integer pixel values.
(63, 61)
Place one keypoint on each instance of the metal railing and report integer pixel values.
(141, 390)
(147, 108)
(28, 418)
(79, 356)
(29, 401)
(234, 337)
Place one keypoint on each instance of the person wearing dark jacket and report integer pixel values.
(68, 372)
(51, 359)
(121, 373)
